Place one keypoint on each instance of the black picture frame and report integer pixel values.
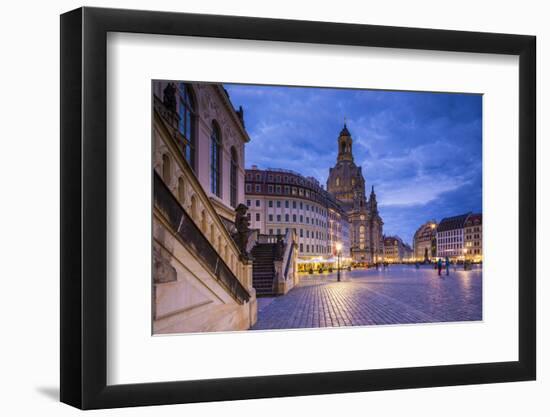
(84, 207)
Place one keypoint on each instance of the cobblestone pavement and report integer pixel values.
(398, 295)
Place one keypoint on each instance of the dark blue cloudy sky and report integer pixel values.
(421, 151)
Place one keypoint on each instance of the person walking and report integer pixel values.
(447, 265)
(439, 266)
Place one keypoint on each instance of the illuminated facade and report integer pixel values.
(424, 242)
(347, 184)
(450, 237)
(473, 237)
(395, 250)
(280, 199)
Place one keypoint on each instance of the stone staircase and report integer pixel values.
(263, 269)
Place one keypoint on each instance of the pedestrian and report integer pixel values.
(447, 265)
(439, 266)
(416, 265)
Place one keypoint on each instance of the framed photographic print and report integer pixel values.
(256, 208)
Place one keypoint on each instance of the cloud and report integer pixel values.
(422, 151)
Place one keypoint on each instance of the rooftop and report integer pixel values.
(452, 223)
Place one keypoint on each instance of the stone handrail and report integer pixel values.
(184, 185)
(193, 239)
(289, 242)
(268, 238)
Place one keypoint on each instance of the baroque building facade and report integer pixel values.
(424, 242)
(473, 237)
(450, 237)
(395, 250)
(202, 276)
(280, 199)
(347, 184)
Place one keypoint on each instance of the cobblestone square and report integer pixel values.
(400, 294)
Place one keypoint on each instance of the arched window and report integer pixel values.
(187, 112)
(204, 222)
(194, 208)
(215, 153)
(181, 190)
(166, 169)
(337, 181)
(233, 177)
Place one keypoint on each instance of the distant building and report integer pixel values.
(424, 242)
(408, 253)
(450, 237)
(281, 199)
(395, 250)
(338, 227)
(347, 184)
(473, 237)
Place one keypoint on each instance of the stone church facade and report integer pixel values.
(347, 184)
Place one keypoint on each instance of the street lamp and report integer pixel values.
(338, 247)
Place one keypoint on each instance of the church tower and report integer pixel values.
(347, 184)
(345, 143)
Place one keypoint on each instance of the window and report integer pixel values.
(286, 204)
(271, 217)
(301, 233)
(248, 203)
(301, 206)
(257, 217)
(258, 188)
(257, 203)
(270, 231)
(301, 218)
(181, 190)
(248, 188)
(286, 218)
(233, 178)
(278, 189)
(294, 204)
(186, 113)
(301, 247)
(258, 177)
(166, 169)
(294, 218)
(278, 217)
(270, 189)
(215, 153)
(270, 203)
(278, 204)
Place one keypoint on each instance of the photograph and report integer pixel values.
(301, 207)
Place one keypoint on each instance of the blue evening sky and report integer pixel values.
(421, 151)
